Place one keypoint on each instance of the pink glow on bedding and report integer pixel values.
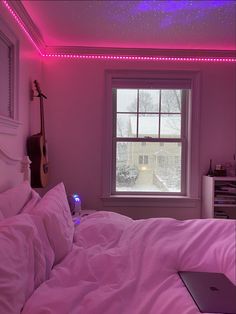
(13, 200)
(55, 213)
(122, 266)
(26, 260)
(34, 200)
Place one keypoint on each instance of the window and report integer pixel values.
(153, 140)
(153, 116)
(8, 78)
(143, 159)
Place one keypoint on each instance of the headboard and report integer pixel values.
(13, 170)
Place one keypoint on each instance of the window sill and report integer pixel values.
(150, 201)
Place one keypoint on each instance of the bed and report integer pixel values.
(106, 263)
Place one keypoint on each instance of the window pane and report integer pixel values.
(5, 79)
(171, 100)
(126, 125)
(126, 100)
(122, 153)
(170, 126)
(148, 168)
(140, 159)
(145, 160)
(148, 125)
(148, 100)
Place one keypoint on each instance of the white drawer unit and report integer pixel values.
(219, 197)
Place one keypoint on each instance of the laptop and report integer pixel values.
(212, 292)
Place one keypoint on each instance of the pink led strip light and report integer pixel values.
(113, 57)
(137, 58)
(21, 25)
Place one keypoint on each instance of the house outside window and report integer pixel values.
(143, 159)
(152, 139)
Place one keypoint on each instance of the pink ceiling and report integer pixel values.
(137, 24)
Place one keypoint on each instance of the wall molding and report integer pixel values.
(192, 53)
(82, 52)
(28, 25)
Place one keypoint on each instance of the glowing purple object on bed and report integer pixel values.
(76, 198)
(76, 220)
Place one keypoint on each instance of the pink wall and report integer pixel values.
(30, 67)
(75, 119)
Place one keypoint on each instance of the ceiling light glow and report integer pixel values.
(112, 57)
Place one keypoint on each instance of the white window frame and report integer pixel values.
(192, 163)
(9, 123)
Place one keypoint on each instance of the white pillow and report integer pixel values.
(35, 198)
(26, 260)
(13, 200)
(54, 210)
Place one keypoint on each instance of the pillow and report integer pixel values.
(26, 260)
(13, 200)
(35, 198)
(54, 210)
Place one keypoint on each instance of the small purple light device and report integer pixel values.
(74, 203)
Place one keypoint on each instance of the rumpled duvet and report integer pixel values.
(121, 266)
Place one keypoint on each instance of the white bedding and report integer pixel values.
(26, 259)
(121, 266)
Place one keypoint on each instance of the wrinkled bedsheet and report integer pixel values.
(121, 266)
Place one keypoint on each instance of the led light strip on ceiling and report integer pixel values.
(138, 58)
(21, 24)
(112, 57)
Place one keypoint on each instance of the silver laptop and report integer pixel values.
(212, 292)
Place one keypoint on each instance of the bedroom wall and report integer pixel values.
(75, 119)
(30, 68)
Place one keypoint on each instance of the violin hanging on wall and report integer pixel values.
(37, 149)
